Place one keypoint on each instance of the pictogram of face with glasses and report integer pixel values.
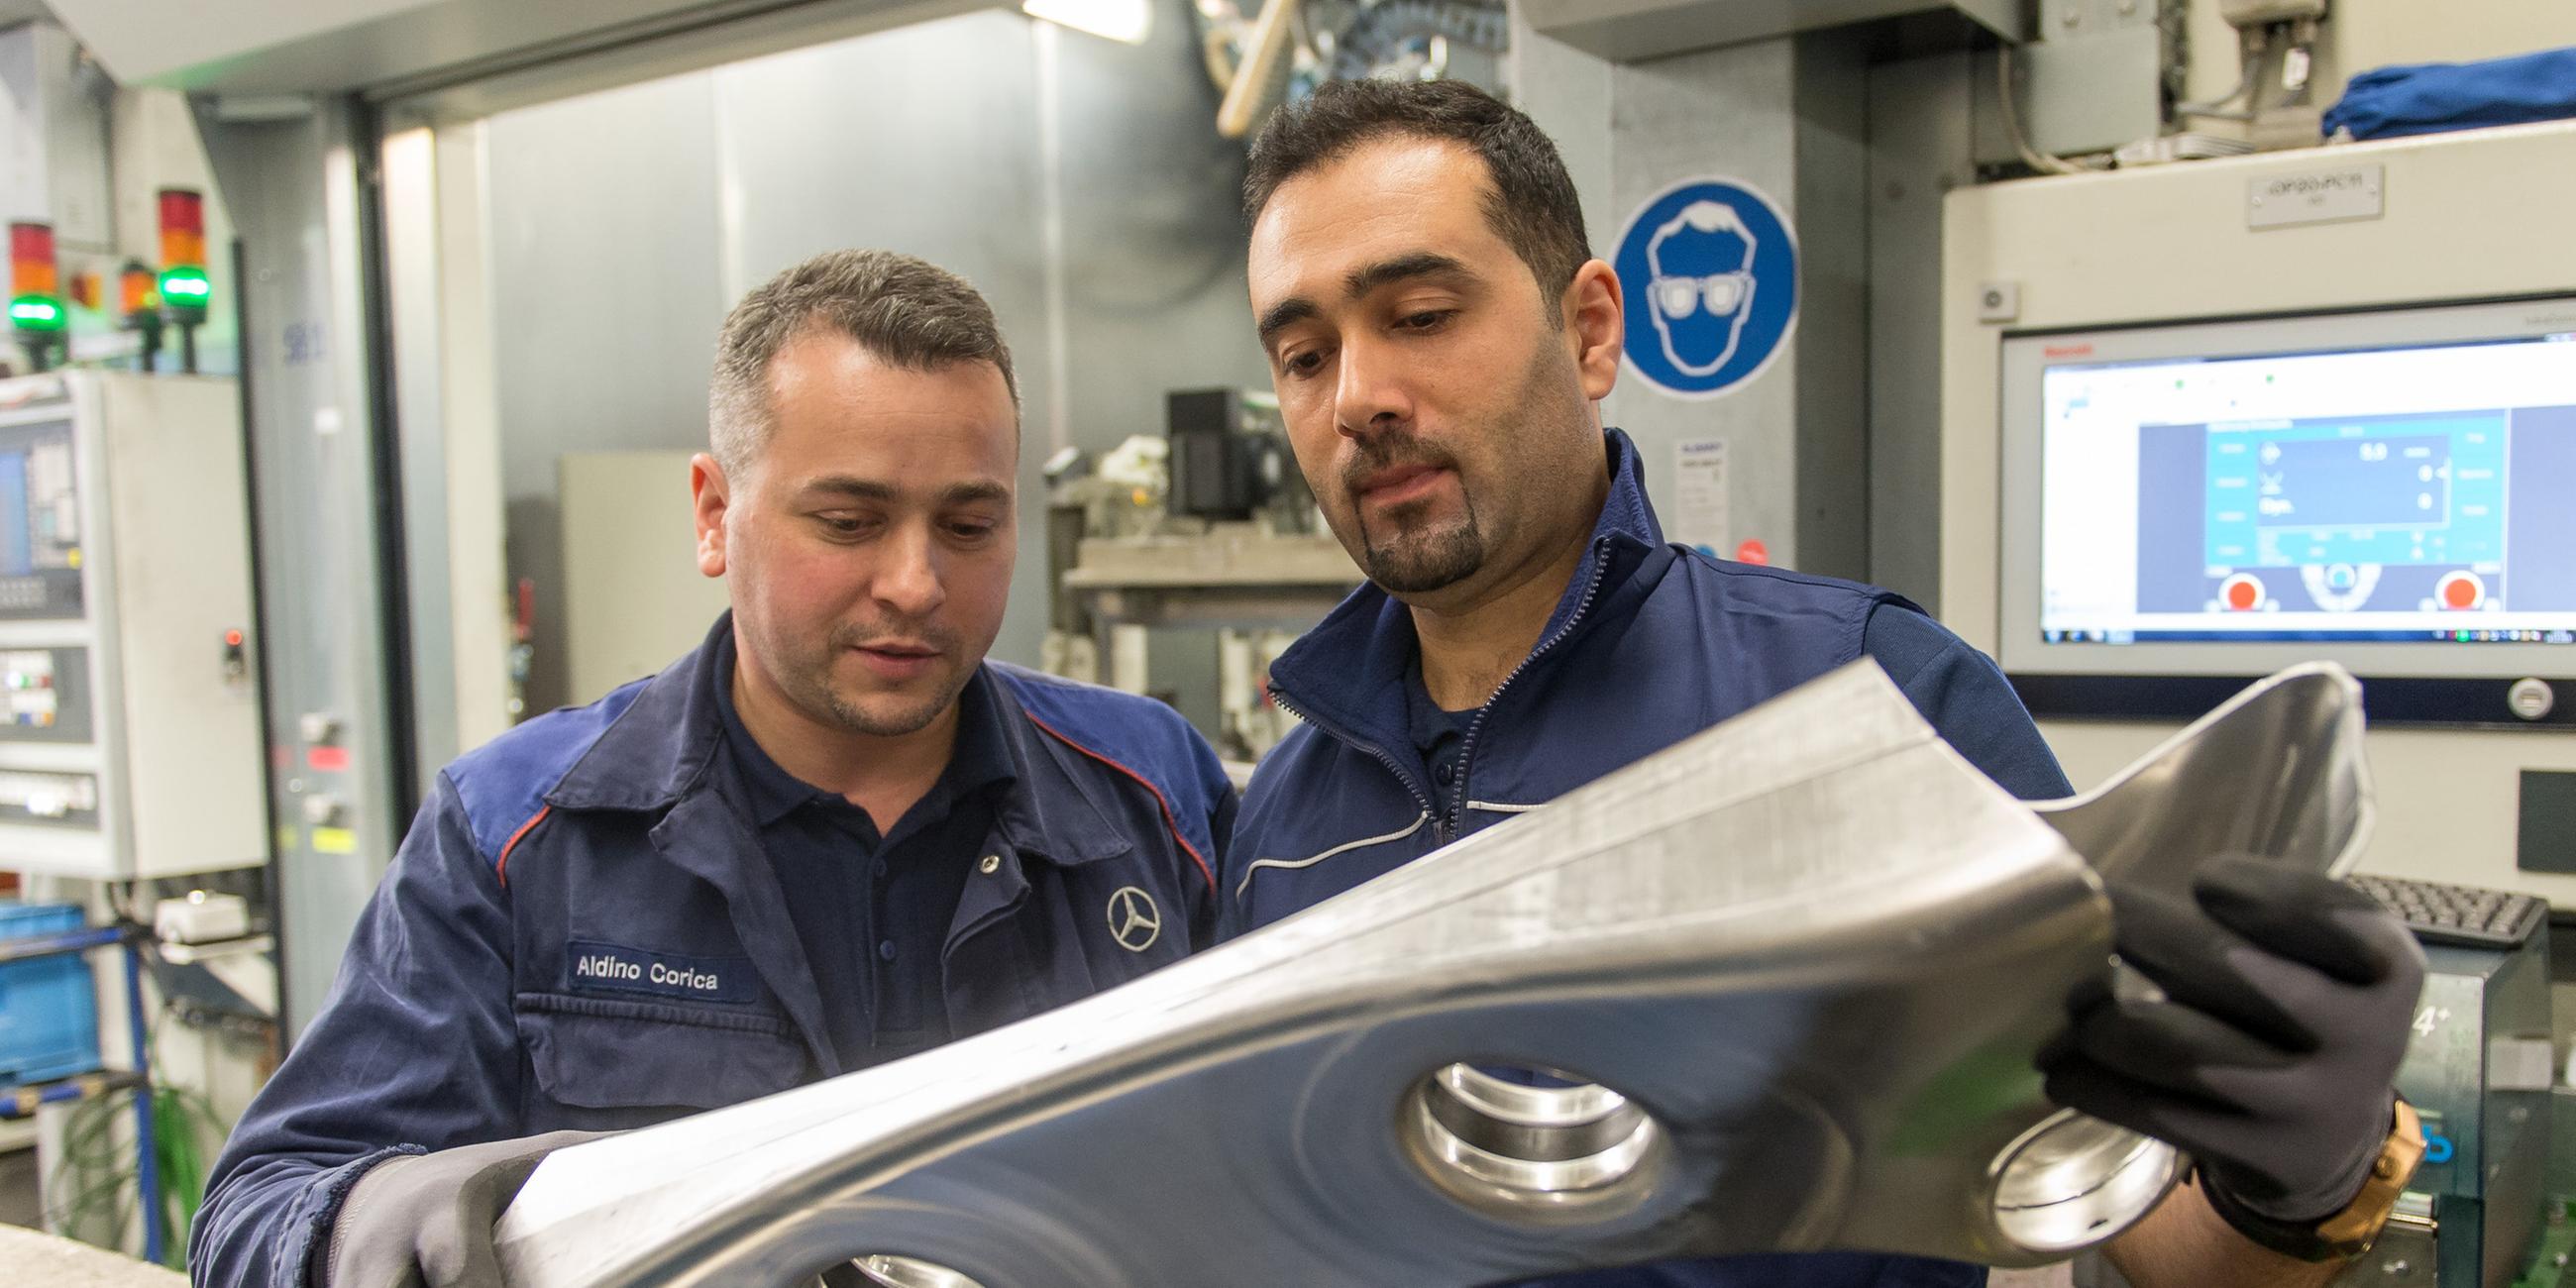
(1702, 288)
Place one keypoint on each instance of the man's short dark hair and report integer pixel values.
(906, 311)
(1531, 204)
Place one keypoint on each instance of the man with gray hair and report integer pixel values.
(831, 836)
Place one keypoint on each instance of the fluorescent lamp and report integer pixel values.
(1128, 21)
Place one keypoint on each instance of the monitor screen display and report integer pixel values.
(2227, 498)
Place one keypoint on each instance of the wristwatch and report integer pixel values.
(2346, 1234)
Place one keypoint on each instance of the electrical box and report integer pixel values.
(2479, 1071)
(130, 729)
(1215, 467)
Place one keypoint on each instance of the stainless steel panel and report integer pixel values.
(1920, 147)
(1079, 183)
(1726, 113)
(408, 172)
(1145, 287)
(293, 190)
(1153, 259)
(1568, 93)
(606, 299)
(1829, 106)
(922, 140)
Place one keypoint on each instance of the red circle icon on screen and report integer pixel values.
(2461, 591)
(2242, 593)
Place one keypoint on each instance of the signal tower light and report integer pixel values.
(182, 284)
(36, 309)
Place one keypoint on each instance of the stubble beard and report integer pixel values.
(812, 689)
(1413, 563)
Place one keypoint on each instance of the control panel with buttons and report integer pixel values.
(131, 728)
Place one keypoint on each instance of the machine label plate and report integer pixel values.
(2316, 196)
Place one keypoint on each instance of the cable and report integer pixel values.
(91, 1194)
(2030, 156)
(2298, 63)
(2252, 44)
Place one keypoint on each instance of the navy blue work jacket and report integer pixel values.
(580, 931)
(1650, 644)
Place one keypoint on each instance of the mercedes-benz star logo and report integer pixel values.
(1134, 921)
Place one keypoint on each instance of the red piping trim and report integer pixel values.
(1141, 781)
(501, 869)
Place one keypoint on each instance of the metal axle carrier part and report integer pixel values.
(1787, 977)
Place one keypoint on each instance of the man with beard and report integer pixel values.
(832, 836)
(1440, 338)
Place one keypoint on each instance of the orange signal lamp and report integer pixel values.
(134, 293)
(139, 304)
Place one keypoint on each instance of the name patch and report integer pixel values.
(592, 966)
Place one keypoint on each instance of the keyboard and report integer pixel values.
(2448, 914)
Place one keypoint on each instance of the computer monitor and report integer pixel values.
(2391, 489)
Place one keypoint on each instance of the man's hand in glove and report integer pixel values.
(2272, 1057)
(425, 1220)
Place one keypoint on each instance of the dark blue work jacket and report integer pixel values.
(1650, 644)
(581, 931)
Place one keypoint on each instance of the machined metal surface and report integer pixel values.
(1784, 979)
(2276, 770)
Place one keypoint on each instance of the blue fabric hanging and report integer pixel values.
(2428, 98)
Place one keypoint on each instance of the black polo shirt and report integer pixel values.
(871, 910)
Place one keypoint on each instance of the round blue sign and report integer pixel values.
(1710, 271)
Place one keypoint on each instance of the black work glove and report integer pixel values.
(2288, 1003)
(425, 1220)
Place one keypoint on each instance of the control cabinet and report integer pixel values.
(130, 735)
(2478, 1070)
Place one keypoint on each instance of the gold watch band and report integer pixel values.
(2351, 1231)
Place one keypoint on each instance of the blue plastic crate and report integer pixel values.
(48, 1007)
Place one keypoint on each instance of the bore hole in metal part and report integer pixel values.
(908, 1272)
(1518, 1150)
(2073, 1181)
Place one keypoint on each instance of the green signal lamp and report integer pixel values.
(38, 313)
(184, 291)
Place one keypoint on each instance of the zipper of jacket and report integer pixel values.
(1393, 766)
(1446, 830)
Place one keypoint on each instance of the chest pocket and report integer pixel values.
(613, 1054)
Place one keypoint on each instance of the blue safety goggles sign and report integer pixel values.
(1710, 271)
